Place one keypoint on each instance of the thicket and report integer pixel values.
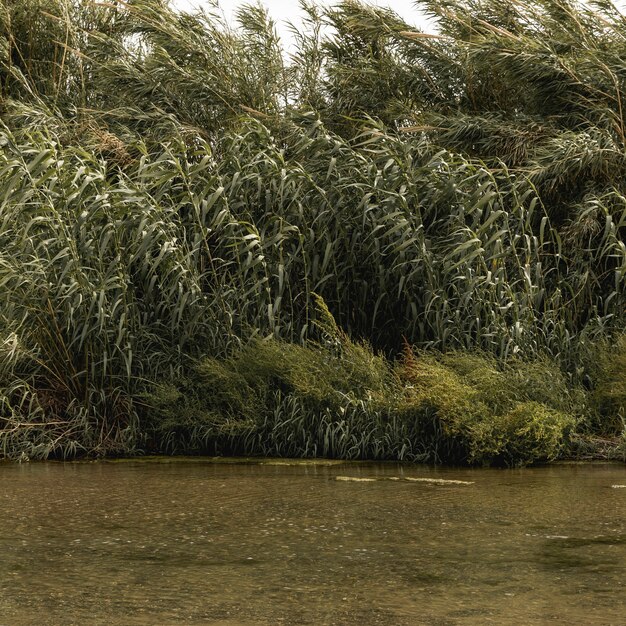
(175, 191)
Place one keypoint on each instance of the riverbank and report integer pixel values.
(593, 448)
(337, 398)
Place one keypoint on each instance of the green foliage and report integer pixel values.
(528, 433)
(199, 415)
(483, 414)
(270, 388)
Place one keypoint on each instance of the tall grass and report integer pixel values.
(173, 188)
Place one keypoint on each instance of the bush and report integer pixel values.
(485, 415)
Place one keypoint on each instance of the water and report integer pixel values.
(243, 544)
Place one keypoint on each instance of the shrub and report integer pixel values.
(483, 414)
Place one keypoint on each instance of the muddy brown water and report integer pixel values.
(199, 542)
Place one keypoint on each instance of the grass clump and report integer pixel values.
(273, 397)
(197, 413)
(602, 433)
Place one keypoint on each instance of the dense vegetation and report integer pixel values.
(378, 244)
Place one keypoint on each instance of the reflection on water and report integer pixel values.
(220, 543)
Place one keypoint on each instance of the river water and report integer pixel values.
(199, 542)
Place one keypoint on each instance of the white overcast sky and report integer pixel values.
(283, 11)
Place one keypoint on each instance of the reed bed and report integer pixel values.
(183, 203)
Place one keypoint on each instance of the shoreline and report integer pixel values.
(605, 456)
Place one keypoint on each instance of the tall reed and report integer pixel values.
(173, 187)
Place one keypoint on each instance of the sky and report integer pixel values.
(283, 11)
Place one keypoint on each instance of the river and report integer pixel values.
(231, 543)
